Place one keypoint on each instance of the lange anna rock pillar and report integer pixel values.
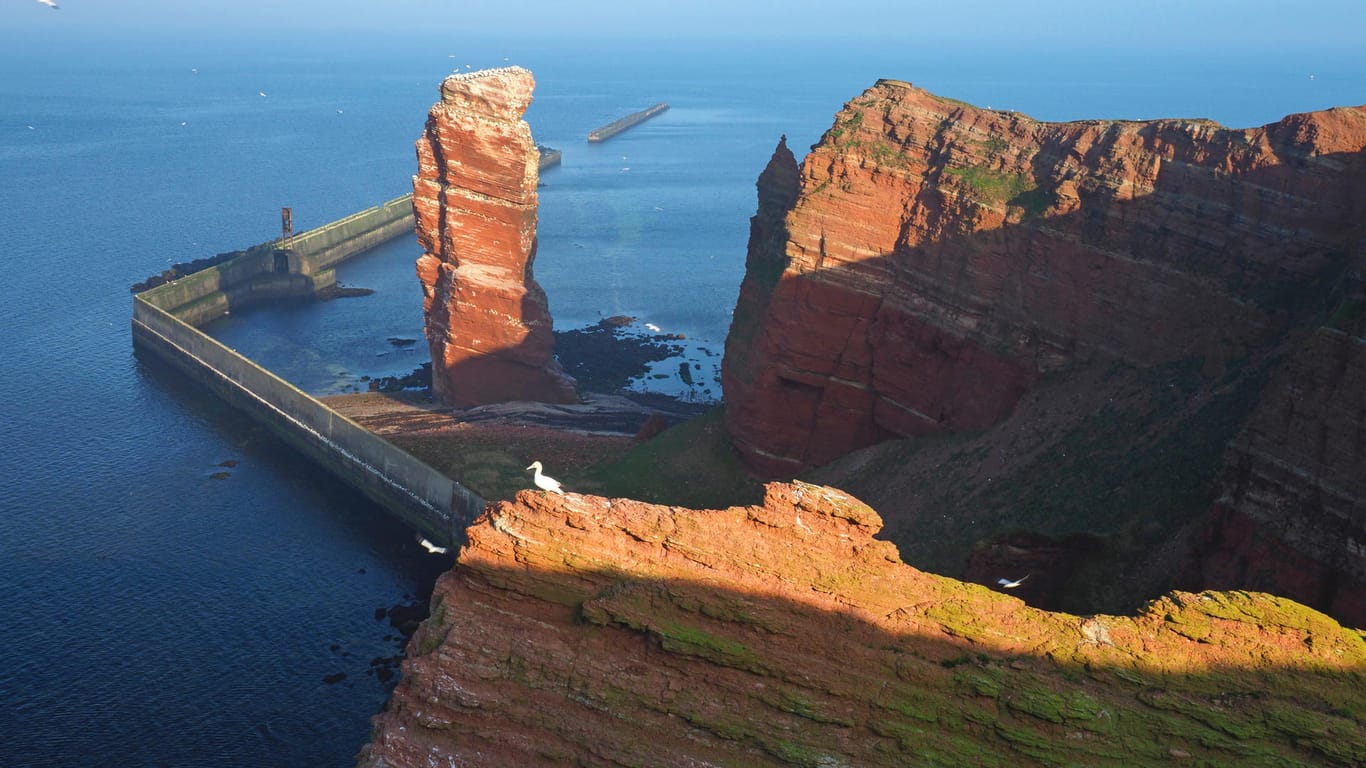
(474, 196)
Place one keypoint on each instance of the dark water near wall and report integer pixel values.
(155, 615)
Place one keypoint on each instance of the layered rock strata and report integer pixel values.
(940, 258)
(778, 187)
(474, 196)
(583, 630)
(1291, 510)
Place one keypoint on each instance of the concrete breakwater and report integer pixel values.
(617, 126)
(165, 321)
(550, 157)
(272, 271)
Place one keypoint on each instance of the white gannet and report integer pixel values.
(430, 547)
(263, 93)
(1008, 584)
(49, 3)
(652, 327)
(544, 482)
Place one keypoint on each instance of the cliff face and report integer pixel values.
(1291, 510)
(941, 258)
(778, 187)
(585, 630)
(474, 197)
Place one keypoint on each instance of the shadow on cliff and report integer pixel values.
(1075, 422)
(528, 666)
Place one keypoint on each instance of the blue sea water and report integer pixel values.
(156, 612)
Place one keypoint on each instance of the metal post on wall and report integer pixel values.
(287, 228)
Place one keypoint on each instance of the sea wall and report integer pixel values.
(617, 126)
(333, 243)
(269, 272)
(164, 321)
(550, 157)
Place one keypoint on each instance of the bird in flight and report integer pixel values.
(430, 547)
(1008, 584)
(544, 482)
(50, 4)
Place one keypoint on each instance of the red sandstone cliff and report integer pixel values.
(580, 630)
(1085, 316)
(474, 197)
(941, 258)
(1291, 512)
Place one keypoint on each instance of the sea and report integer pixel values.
(177, 587)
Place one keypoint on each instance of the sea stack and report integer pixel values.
(474, 198)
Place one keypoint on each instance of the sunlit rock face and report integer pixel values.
(474, 196)
(581, 630)
(941, 258)
(1023, 286)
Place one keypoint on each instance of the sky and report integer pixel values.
(1137, 24)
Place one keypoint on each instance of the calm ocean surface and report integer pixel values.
(154, 614)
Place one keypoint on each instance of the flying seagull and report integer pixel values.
(543, 482)
(1008, 584)
(430, 547)
(50, 4)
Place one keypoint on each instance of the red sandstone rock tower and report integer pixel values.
(474, 197)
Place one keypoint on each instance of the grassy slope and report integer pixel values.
(1128, 456)
(690, 465)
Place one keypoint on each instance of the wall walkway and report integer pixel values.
(164, 323)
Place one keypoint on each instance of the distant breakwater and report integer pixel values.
(617, 126)
(550, 157)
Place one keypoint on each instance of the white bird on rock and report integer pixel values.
(544, 482)
(1008, 584)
